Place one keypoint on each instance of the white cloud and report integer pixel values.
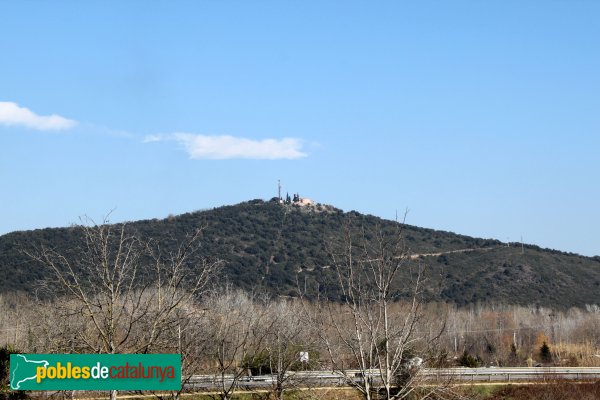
(153, 138)
(225, 147)
(13, 115)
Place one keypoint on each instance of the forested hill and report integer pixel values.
(271, 247)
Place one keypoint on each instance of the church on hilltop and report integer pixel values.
(295, 200)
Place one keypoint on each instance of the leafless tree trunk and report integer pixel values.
(288, 337)
(123, 292)
(368, 273)
(238, 327)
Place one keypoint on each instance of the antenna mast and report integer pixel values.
(279, 189)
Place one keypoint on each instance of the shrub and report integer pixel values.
(467, 360)
(545, 352)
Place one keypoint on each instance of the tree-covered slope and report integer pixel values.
(277, 248)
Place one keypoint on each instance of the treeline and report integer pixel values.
(271, 247)
(263, 245)
(499, 335)
(524, 336)
(230, 331)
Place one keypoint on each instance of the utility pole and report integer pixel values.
(455, 345)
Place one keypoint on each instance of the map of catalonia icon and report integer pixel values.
(23, 368)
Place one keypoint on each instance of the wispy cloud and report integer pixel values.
(223, 147)
(155, 138)
(11, 114)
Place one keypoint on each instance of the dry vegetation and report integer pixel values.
(510, 335)
(233, 332)
(554, 391)
(486, 333)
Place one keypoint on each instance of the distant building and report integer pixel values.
(299, 201)
(296, 199)
(305, 202)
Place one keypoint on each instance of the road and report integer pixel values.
(327, 378)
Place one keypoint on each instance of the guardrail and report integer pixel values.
(324, 378)
(514, 374)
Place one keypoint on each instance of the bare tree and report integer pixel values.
(382, 345)
(238, 335)
(288, 339)
(123, 293)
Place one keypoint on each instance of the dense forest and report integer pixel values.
(282, 248)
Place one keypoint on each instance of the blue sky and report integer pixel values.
(481, 118)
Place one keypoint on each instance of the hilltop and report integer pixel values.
(271, 247)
